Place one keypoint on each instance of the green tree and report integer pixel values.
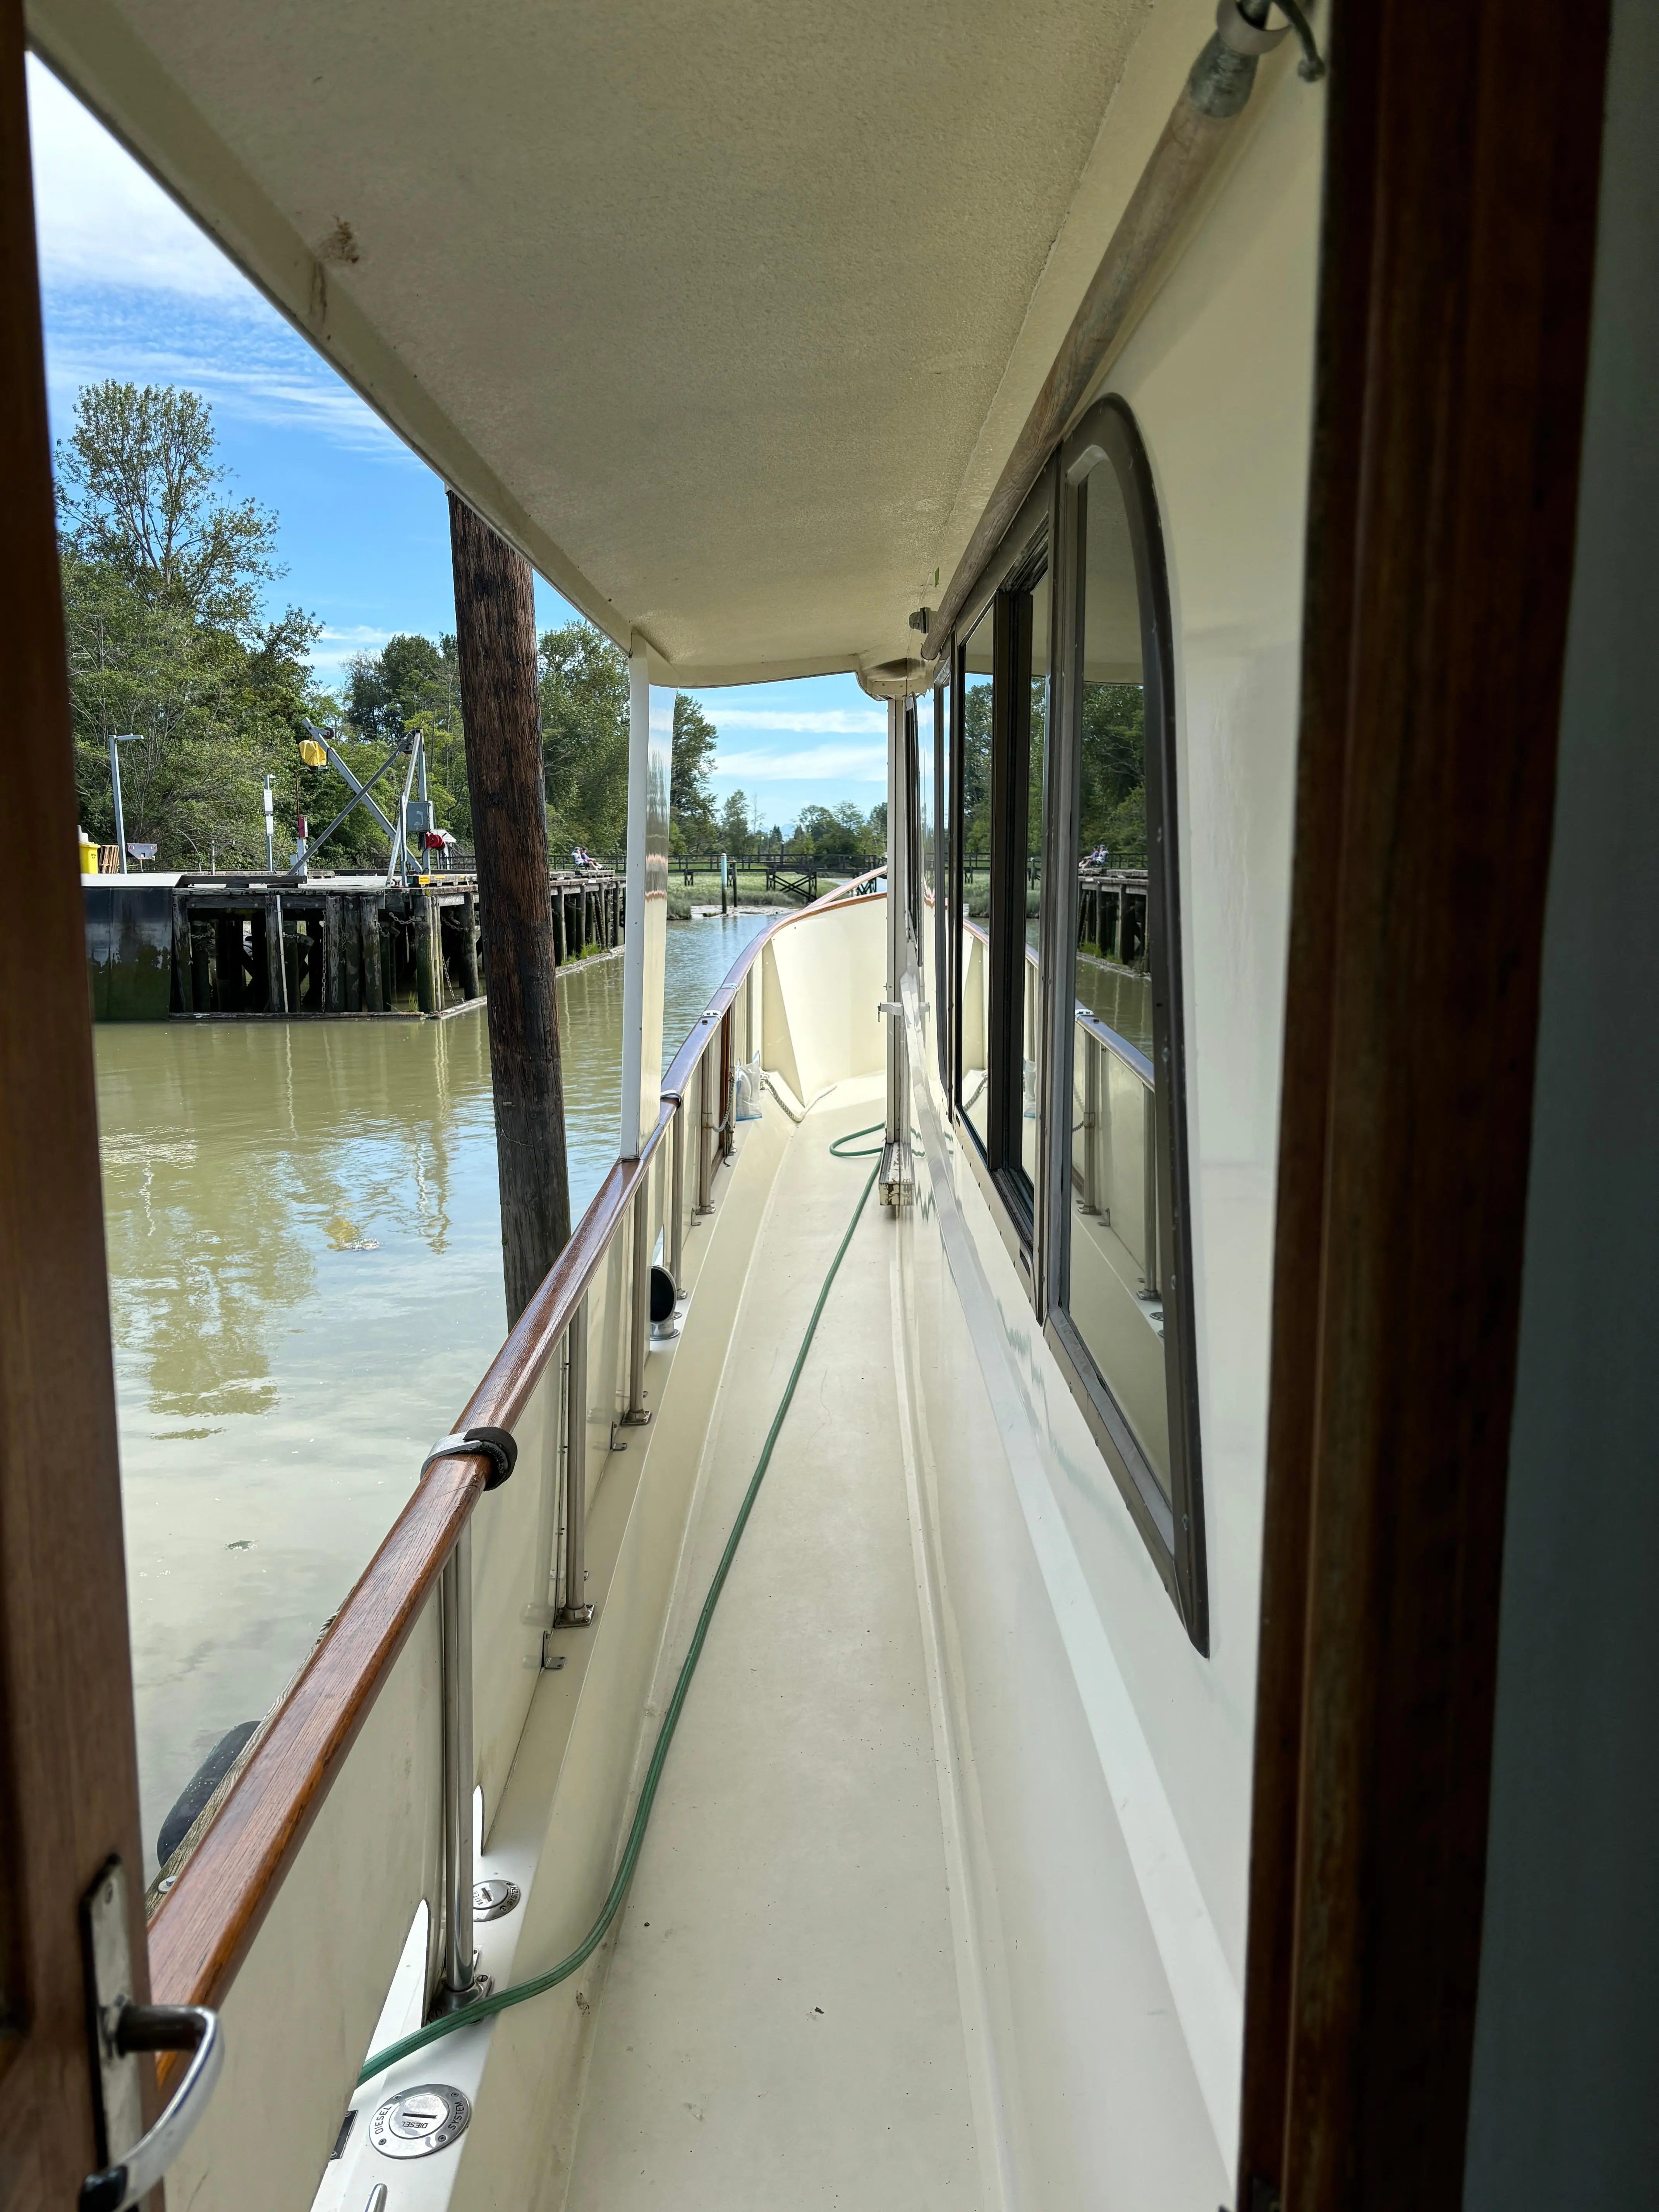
(976, 770)
(691, 801)
(584, 696)
(736, 833)
(1112, 811)
(137, 489)
(162, 579)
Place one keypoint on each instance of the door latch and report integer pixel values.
(117, 2030)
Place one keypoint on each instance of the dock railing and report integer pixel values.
(422, 1702)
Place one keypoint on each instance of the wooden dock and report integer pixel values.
(259, 947)
(1111, 914)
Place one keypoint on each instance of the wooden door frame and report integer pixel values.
(1462, 174)
(69, 1772)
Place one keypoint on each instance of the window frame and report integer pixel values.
(1026, 551)
(1049, 527)
(1174, 1528)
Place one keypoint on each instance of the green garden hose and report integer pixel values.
(499, 2000)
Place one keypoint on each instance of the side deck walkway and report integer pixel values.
(779, 2026)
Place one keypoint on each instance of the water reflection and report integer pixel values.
(305, 1281)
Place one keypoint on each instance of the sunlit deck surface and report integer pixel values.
(780, 2022)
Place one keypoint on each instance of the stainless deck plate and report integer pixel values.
(417, 2122)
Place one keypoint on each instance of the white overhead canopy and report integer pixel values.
(726, 314)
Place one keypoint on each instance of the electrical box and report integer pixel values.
(419, 816)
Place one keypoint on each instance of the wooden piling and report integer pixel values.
(469, 945)
(183, 966)
(275, 994)
(495, 634)
(424, 984)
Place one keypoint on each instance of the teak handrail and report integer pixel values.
(205, 1925)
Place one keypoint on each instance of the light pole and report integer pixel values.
(130, 738)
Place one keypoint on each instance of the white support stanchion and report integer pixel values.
(645, 943)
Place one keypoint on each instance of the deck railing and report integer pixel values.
(570, 1379)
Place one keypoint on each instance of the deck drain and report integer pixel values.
(416, 2122)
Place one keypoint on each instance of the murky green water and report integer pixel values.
(306, 1283)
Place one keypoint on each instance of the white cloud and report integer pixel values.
(334, 647)
(100, 219)
(816, 763)
(802, 721)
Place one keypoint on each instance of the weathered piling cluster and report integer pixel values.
(1111, 914)
(253, 946)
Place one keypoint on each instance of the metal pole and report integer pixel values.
(677, 1202)
(115, 786)
(455, 1612)
(705, 1130)
(575, 1612)
(1091, 1123)
(639, 1317)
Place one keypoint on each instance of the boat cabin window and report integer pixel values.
(1067, 988)
(1004, 749)
(1118, 1274)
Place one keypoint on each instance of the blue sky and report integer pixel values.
(132, 288)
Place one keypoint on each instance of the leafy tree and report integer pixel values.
(1113, 770)
(976, 770)
(136, 487)
(735, 834)
(584, 696)
(160, 581)
(691, 801)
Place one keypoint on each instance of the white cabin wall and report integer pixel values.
(1115, 2000)
(1220, 377)
(1564, 2108)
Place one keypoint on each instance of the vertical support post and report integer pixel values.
(728, 1114)
(705, 1131)
(373, 974)
(1091, 1123)
(639, 1318)
(575, 1612)
(459, 1979)
(276, 978)
(1153, 1262)
(469, 945)
(331, 1001)
(896, 1117)
(677, 1202)
(182, 968)
(495, 629)
(425, 984)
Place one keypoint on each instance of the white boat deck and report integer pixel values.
(781, 2023)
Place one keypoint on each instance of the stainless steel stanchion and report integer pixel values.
(677, 1202)
(461, 1977)
(639, 1329)
(575, 1612)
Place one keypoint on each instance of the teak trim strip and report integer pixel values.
(204, 1926)
(1458, 238)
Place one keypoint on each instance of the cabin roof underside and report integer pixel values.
(726, 314)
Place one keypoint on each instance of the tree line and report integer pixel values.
(163, 575)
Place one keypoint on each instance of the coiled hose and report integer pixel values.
(499, 2000)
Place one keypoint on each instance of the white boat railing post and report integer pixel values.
(705, 1131)
(459, 1976)
(676, 1200)
(639, 1332)
(1091, 1123)
(575, 1612)
(1154, 1259)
